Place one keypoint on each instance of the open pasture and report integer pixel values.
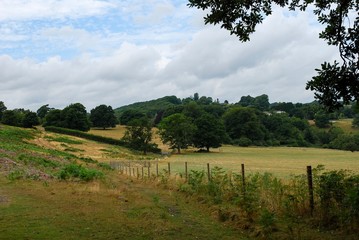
(281, 161)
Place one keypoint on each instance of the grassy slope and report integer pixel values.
(112, 208)
(130, 210)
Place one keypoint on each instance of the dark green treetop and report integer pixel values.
(103, 116)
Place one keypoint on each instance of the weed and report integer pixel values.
(16, 175)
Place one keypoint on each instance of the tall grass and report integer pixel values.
(264, 201)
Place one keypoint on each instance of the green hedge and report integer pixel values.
(96, 138)
(88, 136)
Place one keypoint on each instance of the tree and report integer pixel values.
(75, 117)
(2, 108)
(261, 102)
(177, 130)
(210, 132)
(244, 122)
(30, 119)
(246, 101)
(9, 117)
(130, 115)
(321, 120)
(138, 135)
(54, 118)
(103, 116)
(42, 111)
(336, 83)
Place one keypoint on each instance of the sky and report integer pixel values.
(114, 52)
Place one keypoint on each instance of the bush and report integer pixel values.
(77, 171)
(339, 199)
(349, 142)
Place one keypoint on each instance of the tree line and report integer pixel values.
(253, 121)
(204, 123)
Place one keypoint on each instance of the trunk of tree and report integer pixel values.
(207, 149)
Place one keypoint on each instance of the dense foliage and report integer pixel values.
(138, 136)
(177, 130)
(103, 117)
(18, 117)
(73, 116)
(265, 202)
(254, 121)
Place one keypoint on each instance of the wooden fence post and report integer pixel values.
(243, 179)
(169, 168)
(208, 172)
(138, 173)
(148, 171)
(157, 169)
(186, 170)
(310, 188)
(142, 172)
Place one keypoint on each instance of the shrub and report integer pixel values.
(77, 171)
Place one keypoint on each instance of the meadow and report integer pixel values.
(281, 161)
(34, 205)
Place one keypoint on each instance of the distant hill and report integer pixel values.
(150, 107)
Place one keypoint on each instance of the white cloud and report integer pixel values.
(21, 10)
(119, 67)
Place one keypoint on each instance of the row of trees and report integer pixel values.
(246, 123)
(163, 107)
(73, 116)
(203, 123)
(18, 117)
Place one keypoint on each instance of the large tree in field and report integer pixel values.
(177, 130)
(337, 82)
(103, 117)
(138, 135)
(210, 132)
(75, 117)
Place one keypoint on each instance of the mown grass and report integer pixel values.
(59, 210)
(281, 161)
